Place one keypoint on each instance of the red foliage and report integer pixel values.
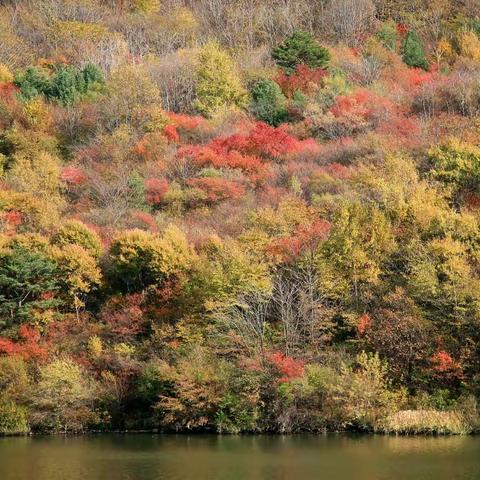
(337, 170)
(287, 366)
(7, 90)
(305, 238)
(144, 220)
(211, 155)
(73, 175)
(27, 347)
(363, 324)
(217, 189)
(171, 133)
(305, 79)
(263, 140)
(185, 122)
(363, 104)
(402, 29)
(13, 218)
(124, 317)
(155, 190)
(443, 365)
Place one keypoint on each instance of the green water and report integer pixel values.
(303, 457)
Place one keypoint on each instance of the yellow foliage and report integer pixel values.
(218, 82)
(68, 31)
(5, 74)
(470, 45)
(146, 6)
(36, 113)
(38, 173)
(37, 213)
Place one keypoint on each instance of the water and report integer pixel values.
(302, 457)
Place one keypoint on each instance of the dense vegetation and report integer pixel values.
(239, 216)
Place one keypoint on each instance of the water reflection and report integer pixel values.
(177, 457)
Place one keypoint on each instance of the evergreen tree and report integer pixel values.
(413, 51)
(268, 102)
(300, 48)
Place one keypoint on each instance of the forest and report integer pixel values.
(240, 216)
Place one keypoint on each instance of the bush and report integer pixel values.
(268, 102)
(13, 419)
(300, 48)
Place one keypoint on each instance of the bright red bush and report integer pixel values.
(287, 366)
(29, 345)
(155, 190)
(443, 365)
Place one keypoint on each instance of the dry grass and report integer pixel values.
(430, 422)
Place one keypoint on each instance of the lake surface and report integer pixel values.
(179, 457)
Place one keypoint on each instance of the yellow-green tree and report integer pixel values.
(218, 83)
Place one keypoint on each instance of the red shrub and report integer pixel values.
(443, 365)
(124, 317)
(185, 122)
(363, 324)
(305, 79)
(27, 347)
(217, 189)
(287, 366)
(73, 175)
(155, 190)
(7, 90)
(171, 133)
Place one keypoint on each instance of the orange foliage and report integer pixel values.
(305, 238)
(305, 79)
(217, 189)
(29, 345)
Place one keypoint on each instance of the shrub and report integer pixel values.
(13, 419)
(300, 48)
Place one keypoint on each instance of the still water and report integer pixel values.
(302, 457)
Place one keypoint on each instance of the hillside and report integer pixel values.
(239, 216)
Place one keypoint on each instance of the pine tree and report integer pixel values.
(300, 48)
(413, 51)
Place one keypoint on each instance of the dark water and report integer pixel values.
(150, 457)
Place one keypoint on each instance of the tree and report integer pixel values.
(64, 397)
(74, 232)
(140, 259)
(413, 51)
(300, 48)
(28, 285)
(218, 84)
(268, 102)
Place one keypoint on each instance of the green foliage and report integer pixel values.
(218, 85)
(25, 278)
(300, 48)
(13, 419)
(388, 35)
(268, 102)
(66, 84)
(413, 51)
